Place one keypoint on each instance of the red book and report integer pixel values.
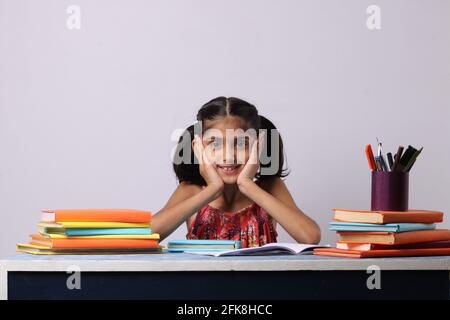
(93, 243)
(396, 238)
(333, 252)
(371, 246)
(381, 217)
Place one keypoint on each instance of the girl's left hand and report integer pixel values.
(251, 167)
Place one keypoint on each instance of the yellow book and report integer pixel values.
(92, 225)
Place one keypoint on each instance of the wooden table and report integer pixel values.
(188, 276)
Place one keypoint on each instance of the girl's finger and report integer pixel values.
(206, 156)
(200, 143)
(254, 153)
(197, 150)
(261, 141)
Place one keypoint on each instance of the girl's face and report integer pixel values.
(228, 145)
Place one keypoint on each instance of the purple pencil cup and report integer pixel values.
(390, 191)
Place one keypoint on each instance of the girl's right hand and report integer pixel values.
(206, 168)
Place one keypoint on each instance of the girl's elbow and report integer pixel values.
(313, 237)
(157, 228)
(317, 235)
(316, 239)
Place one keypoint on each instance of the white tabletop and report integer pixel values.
(192, 262)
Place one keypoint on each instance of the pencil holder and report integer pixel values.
(390, 191)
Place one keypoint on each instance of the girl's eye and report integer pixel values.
(217, 144)
(241, 143)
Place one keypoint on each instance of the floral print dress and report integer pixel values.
(251, 225)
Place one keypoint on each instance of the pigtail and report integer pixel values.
(183, 164)
(268, 149)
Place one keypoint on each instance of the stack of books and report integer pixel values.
(365, 233)
(191, 245)
(93, 231)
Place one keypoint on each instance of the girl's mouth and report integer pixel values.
(229, 169)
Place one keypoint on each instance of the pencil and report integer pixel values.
(398, 155)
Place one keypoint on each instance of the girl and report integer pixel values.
(220, 197)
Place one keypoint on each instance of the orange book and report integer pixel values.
(396, 238)
(333, 252)
(381, 217)
(37, 239)
(96, 215)
(371, 246)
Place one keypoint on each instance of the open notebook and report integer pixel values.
(276, 248)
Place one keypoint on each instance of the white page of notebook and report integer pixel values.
(296, 248)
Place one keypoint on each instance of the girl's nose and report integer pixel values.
(229, 154)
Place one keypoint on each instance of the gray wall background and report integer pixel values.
(86, 116)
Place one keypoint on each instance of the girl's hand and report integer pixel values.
(251, 167)
(206, 168)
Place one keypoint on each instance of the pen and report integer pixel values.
(378, 162)
(413, 159)
(406, 158)
(370, 158)
(397, 158)
(391, 161)
(378, 148)
(383, 162)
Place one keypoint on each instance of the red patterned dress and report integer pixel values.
(251, 225)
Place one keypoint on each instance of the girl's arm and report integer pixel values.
(278, 202)
(183, 203)
(189, 198)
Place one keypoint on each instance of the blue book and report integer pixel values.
(186, 245)
(388, 227)
(195, 250)
(106, 231)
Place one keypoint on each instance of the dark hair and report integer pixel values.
(222, 107)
